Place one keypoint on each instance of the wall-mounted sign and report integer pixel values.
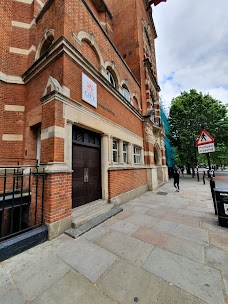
(89, 91)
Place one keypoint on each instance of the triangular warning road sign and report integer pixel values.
(204, 138)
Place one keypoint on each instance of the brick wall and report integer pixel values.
(57, 201)
(121, 181)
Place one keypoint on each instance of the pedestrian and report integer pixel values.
(176, 177)
(212, 172)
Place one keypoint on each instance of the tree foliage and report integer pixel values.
(188, 113)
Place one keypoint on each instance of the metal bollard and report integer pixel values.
(204, 177)
(212, 185)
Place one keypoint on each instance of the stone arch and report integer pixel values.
(157, 155)
(110, 65)
(124, 85)
(92, 42)
(135, 97)
(45, 43)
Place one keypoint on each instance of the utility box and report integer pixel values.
(221, 196)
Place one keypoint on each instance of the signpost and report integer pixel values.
(205, 144)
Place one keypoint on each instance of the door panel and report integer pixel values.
(94, 180)
(78, 185)
(86, 181)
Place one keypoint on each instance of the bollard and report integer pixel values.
(204, 177)
(212, 185)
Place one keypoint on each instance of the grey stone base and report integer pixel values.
(22, 242)
(76, 232)
(127, 196)
(57, 228)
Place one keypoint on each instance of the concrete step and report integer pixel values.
(76, 232)
(90, 213)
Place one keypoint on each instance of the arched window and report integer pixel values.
(111, 77)
(45, 43)
(126, 93)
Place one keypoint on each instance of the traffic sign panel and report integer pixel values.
(204, 138)
(206, 148)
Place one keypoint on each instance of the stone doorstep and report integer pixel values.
(83, 214)
(76, 232)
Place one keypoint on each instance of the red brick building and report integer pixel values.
(79, 94)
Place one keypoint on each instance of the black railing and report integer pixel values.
(21, 200)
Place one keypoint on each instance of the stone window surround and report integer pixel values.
(129, 152)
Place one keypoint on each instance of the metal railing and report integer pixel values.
(21, 199)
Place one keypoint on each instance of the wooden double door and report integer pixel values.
(86, 179)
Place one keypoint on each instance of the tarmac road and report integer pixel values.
(221, 179)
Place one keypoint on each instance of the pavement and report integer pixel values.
(165, 247)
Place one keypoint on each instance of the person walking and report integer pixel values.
(176, 177)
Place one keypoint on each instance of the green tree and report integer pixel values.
(188, 113)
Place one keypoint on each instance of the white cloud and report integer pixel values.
(192, 47)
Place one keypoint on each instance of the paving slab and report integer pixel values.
(217, 258)
(110, 222)
(149, 205)
(128, 284)
(140, 209)
(124, 214)
(191, 233)
(142, 220)
(200, 280)
(96, 233)
(72, 289)
(212, 225)
(126, 247)
(219, 239)
(165, 226)
(190, 212)
(225, 280)
(185, 248)
(5, 283)
(150, 236)
(177, 205)
(124, 227)
(160, 213)
(35, 275)
(13, 296)
(87, 258)
(187, 220)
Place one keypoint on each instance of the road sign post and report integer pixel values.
(205, 144)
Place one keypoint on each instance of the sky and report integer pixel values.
(192, 48)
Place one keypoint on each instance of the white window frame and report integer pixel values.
(137, 155)
(115, 151)
(126, 94)
(111, 79)
(125, 158)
